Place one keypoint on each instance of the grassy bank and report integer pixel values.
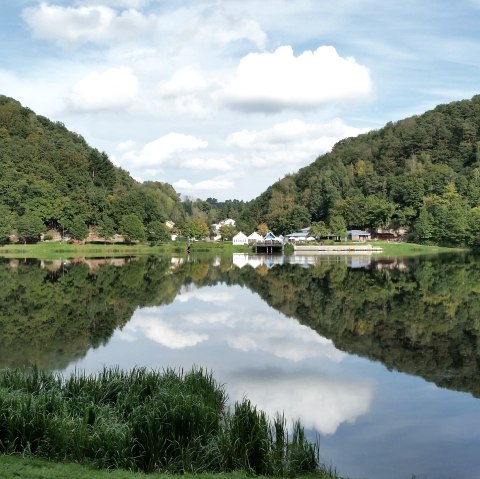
(14, 467)
(52, 250)
(146, 421)
(411, 249)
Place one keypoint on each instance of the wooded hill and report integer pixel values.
(422, 173)
(50, 178)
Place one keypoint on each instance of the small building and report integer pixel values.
(215, 228)
(240, 239)
(301, 235)
(254, 237)
(269, 236)
(358, 235)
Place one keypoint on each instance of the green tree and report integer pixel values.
(263, 229)
(318, 229)
(132, 228)
(227, 232)
(6, 223)
(337, 226)
(29, 227)
(195, 229)
(157, 232)
(106, 227)
(77, 229)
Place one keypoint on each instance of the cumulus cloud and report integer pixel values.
(148, 323)
(158, 152)
(281, 337)
(208, 296)
(116, 3)
(271, 82)
(70, 26)
(211, 185)
(218, 25)
(320, 401)
(190, 92)
(111, 89)
(291, 143)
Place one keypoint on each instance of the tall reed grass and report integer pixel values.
(144, 420)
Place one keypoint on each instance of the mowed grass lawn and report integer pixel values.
(19, 467)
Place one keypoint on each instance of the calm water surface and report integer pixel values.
(380, 358)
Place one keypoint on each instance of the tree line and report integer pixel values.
(51, 179)
(420, 175)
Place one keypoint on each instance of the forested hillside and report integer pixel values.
(421, 173)
(51, 179)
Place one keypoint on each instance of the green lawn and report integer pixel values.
(410, 249)
(65, 250)
(19, 467)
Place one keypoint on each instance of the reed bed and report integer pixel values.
(143, 420)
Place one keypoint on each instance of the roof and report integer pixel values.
(240, 235)
(358, 233)
(298, 234)
(255, 235)
(269, 235)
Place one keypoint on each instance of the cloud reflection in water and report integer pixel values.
(257, 352)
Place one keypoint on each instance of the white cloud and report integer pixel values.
(282, 338)
(218, 25)
(148, 323)
(156, 153)
(70, 27)
(209, 186)
(115, 3)
(320, 402)
(291, 143)
(218, 298)
(219, 164)
(190, 93)
(272, 82)
(112, 89)
(186, 81)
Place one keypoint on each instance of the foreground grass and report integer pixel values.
(146, 421)
(14, 467)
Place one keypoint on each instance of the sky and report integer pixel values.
(223, 98)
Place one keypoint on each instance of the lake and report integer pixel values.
(379, 358)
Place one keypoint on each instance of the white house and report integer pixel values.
(216, 227)
(240, 239)
(254, 237)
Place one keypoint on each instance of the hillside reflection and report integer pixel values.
(419, 316)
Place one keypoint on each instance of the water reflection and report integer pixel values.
(294, 334)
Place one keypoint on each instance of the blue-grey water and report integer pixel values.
(369, 390)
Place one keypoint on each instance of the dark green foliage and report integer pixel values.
(157, 232)
(53, 174)
(131, 227)
(382, 179)
(29, 227)
(144, 420)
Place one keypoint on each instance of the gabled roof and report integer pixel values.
(240, 235)
(255, 235)
(269, 235)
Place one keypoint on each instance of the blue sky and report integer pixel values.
(222, 98)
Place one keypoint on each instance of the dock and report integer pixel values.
(269, 246)
(338, 249)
